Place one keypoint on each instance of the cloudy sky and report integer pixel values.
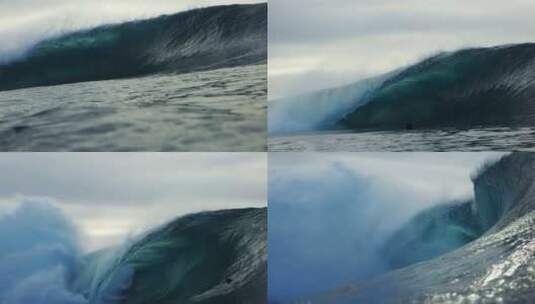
(112, 195)
(345, 206)
(316, 44)
(436, 177)
(24, 22)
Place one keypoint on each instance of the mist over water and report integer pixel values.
(23, 24)
(328, 229)
(331, 216)
(39, 256)
(320, 110)
(208, 257)
(41, 260)
(474, 99)
(476, 251)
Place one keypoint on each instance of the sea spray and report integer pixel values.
(209, 257)
(320, 110)
(197, 40)
(327, 227)
(39, 256)
(468, 88)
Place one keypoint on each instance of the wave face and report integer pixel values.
(432, 233)
(490, 245)
(320, 110)
(201, 39)
(472, 87)
(211, 257)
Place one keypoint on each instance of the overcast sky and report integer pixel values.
(436, 177)
(24, 22)
(112, 195)
(316, 44)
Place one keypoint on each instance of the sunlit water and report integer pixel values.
(218, 110)
(498, 268)
(479, 139)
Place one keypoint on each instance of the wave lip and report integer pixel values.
(201, 39)
(478, 87)
(210, 257)
(39, 256)
(472, 87)
(320, 110)
(494, 261)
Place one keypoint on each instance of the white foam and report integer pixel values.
(320, 110)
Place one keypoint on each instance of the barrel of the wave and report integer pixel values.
(468, 88)
(211, 257)
(495, 266)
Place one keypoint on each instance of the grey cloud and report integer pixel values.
(436, 177)
(133, 178)
(314, 21)
(344, 40)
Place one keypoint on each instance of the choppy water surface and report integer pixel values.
(217, 110)
(498, 268)
(480, 139)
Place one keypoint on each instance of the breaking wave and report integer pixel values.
(211, 257)
(201, 39)
(479, 251)
(492, 86)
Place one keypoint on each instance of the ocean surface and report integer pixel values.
(216, 110)
(467, 100)
(431, 140)
(192, 81)
(481, 250)
(210, 257)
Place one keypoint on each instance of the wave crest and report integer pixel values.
(211, 257)
(201, 39)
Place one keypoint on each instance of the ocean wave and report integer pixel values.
(201, 39)
(479, 251)
(210, 257)
(492, 86)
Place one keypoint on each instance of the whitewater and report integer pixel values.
(193, 81)
(430, 140)
(468, 100)
(210, 257)
(219, 110)
(480, 250)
